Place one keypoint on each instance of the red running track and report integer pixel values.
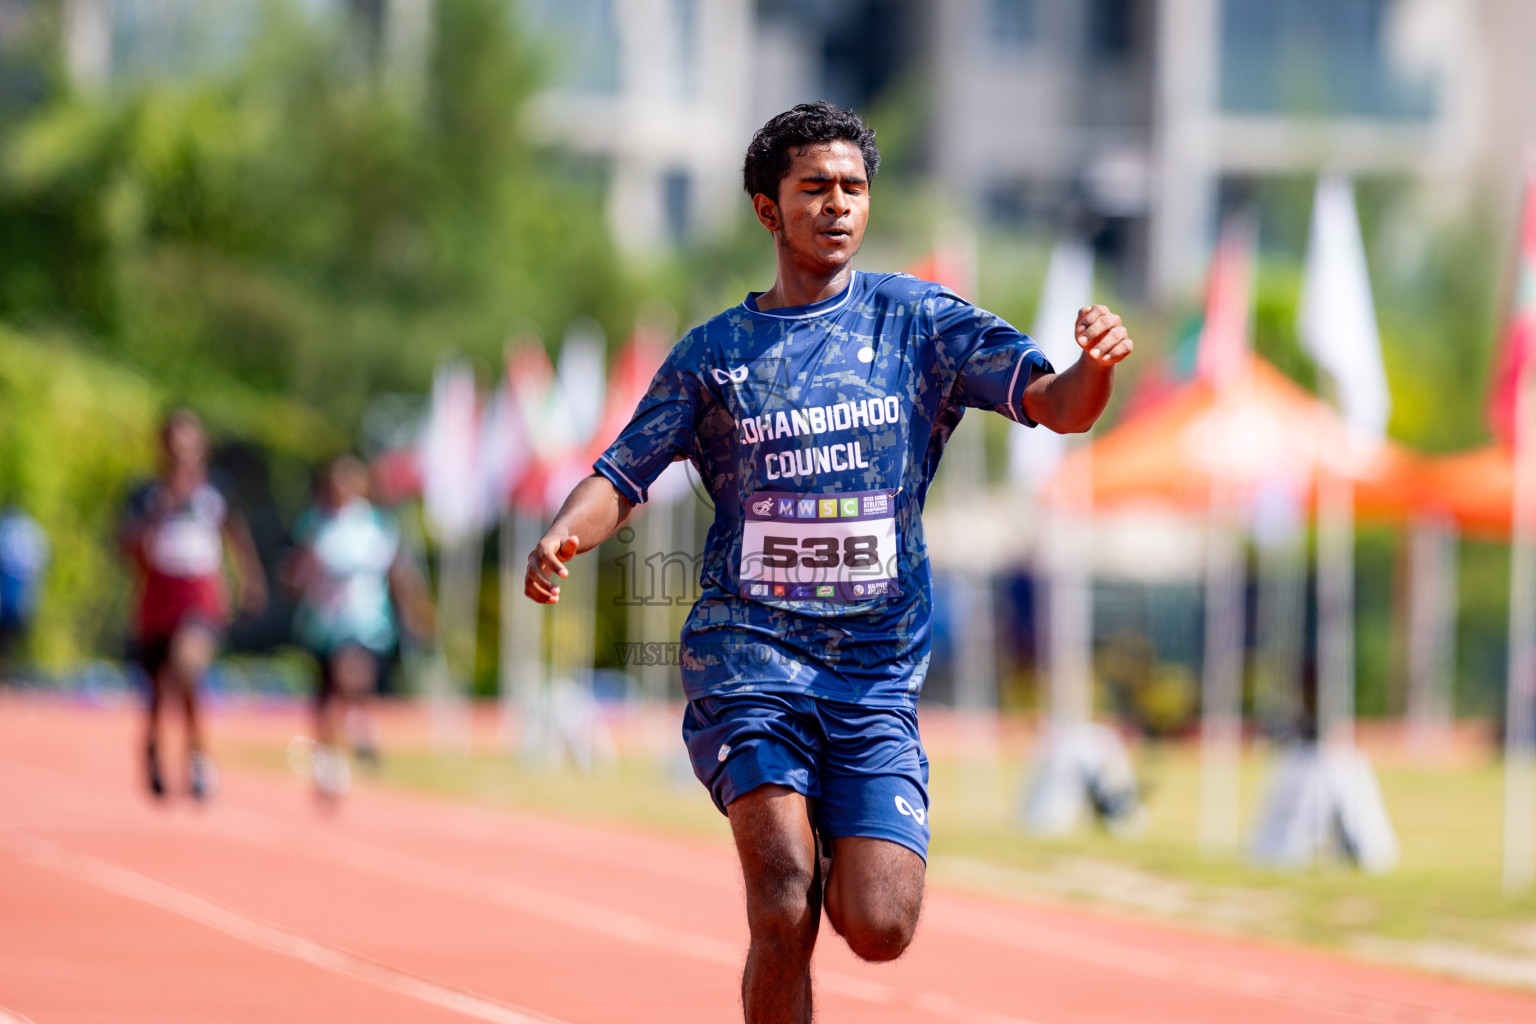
(258, 909)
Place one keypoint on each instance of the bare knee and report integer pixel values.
(875, 896)
(881, 935)
(782, 903)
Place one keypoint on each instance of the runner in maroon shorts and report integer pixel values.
(174, 535)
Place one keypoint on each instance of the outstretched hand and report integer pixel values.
(546, 562)
(1102, 336)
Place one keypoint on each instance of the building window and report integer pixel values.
(584, 36)
(685, 21)
(1110, 28)
(676, 189)
(1327, 57)
(1010, 24)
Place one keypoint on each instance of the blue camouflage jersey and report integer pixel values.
(816, 431)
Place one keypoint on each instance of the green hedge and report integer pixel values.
(74, 431)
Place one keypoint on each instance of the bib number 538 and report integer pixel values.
(858, 552)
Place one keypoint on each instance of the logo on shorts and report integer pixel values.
(764, 507)
(917, 813)
(725, 752)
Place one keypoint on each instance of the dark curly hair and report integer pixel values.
(769, 155)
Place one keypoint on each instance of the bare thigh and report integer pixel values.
(874, 895)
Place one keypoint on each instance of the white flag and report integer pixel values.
(1034, 454)
(1337, 321)
(452, 493)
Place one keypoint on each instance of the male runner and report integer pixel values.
(174, 534)
(816, 413)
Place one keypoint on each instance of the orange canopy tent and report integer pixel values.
(1262, 430)
(1474, 488)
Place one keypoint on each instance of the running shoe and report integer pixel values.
(202, 776)
(333, 775)
(152, 769)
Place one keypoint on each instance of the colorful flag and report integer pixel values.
(1033, 455)
(1224, 343)
(1337, 319)
(530, 385)
(450, 455)
(951, 262)
(1519, 347)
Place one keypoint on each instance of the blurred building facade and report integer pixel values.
(1140, 119)
(1134, 121)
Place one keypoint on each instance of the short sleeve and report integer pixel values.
(995, 361)
(137, 506)
(660, 433)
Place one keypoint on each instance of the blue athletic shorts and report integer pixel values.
(863, 766)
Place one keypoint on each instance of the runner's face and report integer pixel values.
(186, 449)
(823, 206)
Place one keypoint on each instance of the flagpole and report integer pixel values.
(1225, 361)
(1519, 776)
(1221, 677)
(1335, 608)
(1431, 632)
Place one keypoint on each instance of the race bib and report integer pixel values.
(827, 547)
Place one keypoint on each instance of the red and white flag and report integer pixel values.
(1519, 347)
(1224, 340)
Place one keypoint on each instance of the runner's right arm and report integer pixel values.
(594, 510)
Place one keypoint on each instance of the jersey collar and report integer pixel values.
(815, 309)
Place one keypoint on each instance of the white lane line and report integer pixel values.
(271, 937)
(258, 829)
(1141, 962)
(404, 869)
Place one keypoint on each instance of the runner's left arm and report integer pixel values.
(249, 575)
(1071, 401)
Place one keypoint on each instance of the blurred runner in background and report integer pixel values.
(23, 557)
(350, 574)
(174, 535)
